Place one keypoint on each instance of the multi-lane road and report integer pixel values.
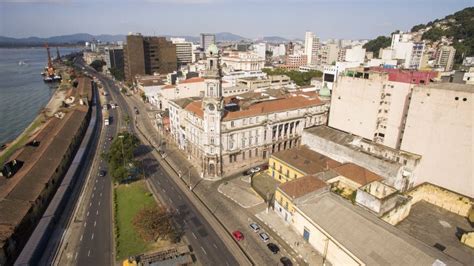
(93, 243)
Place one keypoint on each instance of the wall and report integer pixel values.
(274, 165)
(439, 128)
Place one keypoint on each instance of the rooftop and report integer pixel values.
(452, 87)
(192, 80)
(307, 161)
(356, 173)
(383, 244)
(302, 186)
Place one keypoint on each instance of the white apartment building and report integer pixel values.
(439, 128)
(445, 58)
(223, 136)
(260, 49)
(328, 54)
(278, 50)
(404, 48)
(184, 50)
(355, 54)
(311, 48)
(246, 61)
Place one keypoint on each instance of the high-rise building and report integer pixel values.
(114, 58)
(329, 54)
(311, 48)
(148, 55)
(445, 57)
(206, 40)
(184, 51)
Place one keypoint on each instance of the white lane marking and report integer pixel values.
(163, 190)
(75, 257)
(100, 194)
(92, 195)
(184, 221)
(90, 204)
(158, 182)
(214, 244)
(95, 223)
(87, 213)
(81, 237)
(203, 250)
(171, 201)
(194, 235)
(92, 237)
(94, 188)
(97, 180)
(85, 223)
(97, 212)
(99, 202)
(89, 253)
(227, 263)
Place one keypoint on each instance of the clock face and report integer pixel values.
(211, 107)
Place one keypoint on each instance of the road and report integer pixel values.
(207, 245)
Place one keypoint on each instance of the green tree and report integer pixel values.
(117, 73)
(97, 65)
(120, 155)
(300, 78)
(377, 43)
(433, 34)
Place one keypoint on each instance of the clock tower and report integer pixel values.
(213, 107)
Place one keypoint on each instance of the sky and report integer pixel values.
(347, 19)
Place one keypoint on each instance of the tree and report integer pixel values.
(377, 43)
(433, 34)
(417, 27)
(300, 78)
(120, 155)
(117, 73)
(153, 223)
(97, 65)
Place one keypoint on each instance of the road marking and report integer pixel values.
(75, 257)
(227, 263)
(203, 250)
(194, 235)
(95, 223)
(97, 180)
(99, 202)
(100, 194)
(158, 182)
(94, 188)
(85, 223)
(92, 195)
(90, 204)
(171, 201)
(92, 237)
(214, 244)
(81, 237)
(89, 253)
(184, 221)
(163, 190)
(97, 212)
(88, 214)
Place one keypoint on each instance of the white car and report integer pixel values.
(255, 227)
(264, 237)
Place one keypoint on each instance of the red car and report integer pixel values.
(238, 235)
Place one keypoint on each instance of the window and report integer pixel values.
(232, 123)
(287, 172)
(243, 155)
(281, 168)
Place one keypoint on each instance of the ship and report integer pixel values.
(49, 73)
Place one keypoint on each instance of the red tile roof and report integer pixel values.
(357, 173)
(302, 186)
(274, 106)
(192, 80)
(195, 108)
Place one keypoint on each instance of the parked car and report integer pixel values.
(102, 173)
(255, 227)
(264, 237)
(110, 138)
(252, 171)
(238, 235)
(286, 261)
(273, 248)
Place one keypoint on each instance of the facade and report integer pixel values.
(270, 82)
(184, 51)
(260, 49)
(206, 40)
(329, 54)
(439, 128)
(242, 61)
(355, 54)
(232, 77)
(148, 55)
(382, 100)
(445, 58)
(294, 61)
(224, 135)
(114, 58)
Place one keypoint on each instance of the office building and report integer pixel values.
(206, 40)
(114, 58)
(148, 55)
(445, 58)
(184, 51)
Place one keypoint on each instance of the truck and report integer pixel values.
(107, 118)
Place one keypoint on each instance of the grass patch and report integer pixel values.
(21, 140)
(129, 200)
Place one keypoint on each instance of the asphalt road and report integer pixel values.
(206, 244)
(96, 240)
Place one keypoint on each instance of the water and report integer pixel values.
(23, 93)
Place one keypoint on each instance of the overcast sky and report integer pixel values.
(350, 19)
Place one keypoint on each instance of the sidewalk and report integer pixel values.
(303, 249)
(240, 192)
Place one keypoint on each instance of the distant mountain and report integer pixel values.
(80, 38)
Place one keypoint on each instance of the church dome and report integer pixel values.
(212, 50)
(325, 92)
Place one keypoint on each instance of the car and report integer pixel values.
(273, 248)
(255, 227)
(102, 173)
(264, 237)
(286, 261)
(110, 138)
(238, 235)
(252, 171)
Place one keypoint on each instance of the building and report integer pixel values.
(355, 54)
(439, 128)
(291, 164)
(224, 135)
(206, 40)
(148, 55)
(382, 100)
(445, 58)
(242, 61)
(311, 48)
(328, 54)
(184, 51)
(260, 49)
(114, 58)
(294, 61)
(408, 51)
(233, 76)
(336, 228)
(270, 82)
